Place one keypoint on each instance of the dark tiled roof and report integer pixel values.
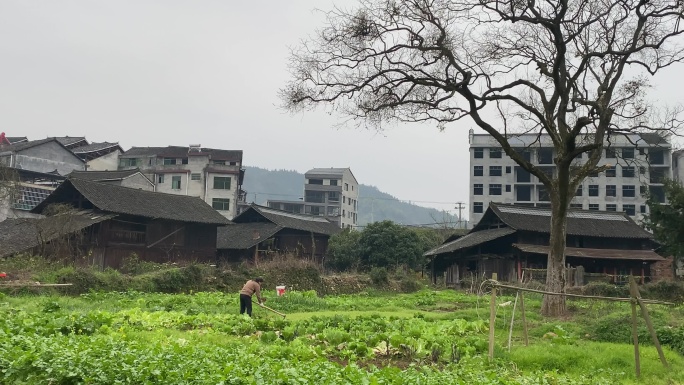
(653, 138)
(242, 236)
(94, 147)
(70, 140)
(181, 152)
(25, 145)
(310, 223)
(470, 240)
(17, 235)
(640, 255)
(122, 200)
(580, 222)
(17, 139)
(98, 176)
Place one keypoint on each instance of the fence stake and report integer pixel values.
(647, 318)
(510, 331)
(492, 318)
(635, 335)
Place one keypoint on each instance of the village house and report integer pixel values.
(133, 178)
(261, 231)
(510, 240)
(108, 222)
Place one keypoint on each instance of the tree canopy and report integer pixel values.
(575, 70)
(667, 220)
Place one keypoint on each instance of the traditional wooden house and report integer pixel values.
(155, 226)
(512, 239)
(259, 231)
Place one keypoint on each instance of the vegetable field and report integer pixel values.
(423, 338)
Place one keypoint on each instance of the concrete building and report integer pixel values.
(329, 192)
(98, 156)
(214, 175)
(640, 164)
(30, 172)
(127, 178)
(678, 166)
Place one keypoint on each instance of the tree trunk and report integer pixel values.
(554, 305)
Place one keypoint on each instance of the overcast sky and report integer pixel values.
(168, 72)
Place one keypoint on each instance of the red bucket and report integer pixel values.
(280, 291)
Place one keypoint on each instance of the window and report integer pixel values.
(628, 153)
(478, 152)
(129, 162)
(611, 172)
(494, 189)
(333, 211)
(611, 207)
(222, 182)
(219, 162)
(494, 170)
(628, 171)
(333, 196)
(642, 190)
(344, 199)
(195, 176)
(221, 204)
(233, 163)
(525, 153)
(642, 151)
(656, 156)
(593, 173)
(643, 209)
(333, 182)
(160, 178)
(478, 207)
(657, 174)
(478, 171)
(495, 153)
(316, 181)
(352, 187)
(629, 209)
(346, 187)
(508, 169)
(628, 191)
(314, 196)
(611, 153)
(521, 175)
(478, 189)
(184, 160)
(611, 190)
(523, 193)
(176, 182)
(169, 161)
(576, 206)
(508, 188)
(543, 194)
(593, 190)
(578, 193)
(545, 156)
(593, 206)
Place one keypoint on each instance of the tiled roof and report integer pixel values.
(310, 223)
(470, 240)
(97, 176)
(580, 222)
(654, 138)
(25, 145)
(242, 236)
(180, 152)
(332, 171)
(94, 147)
(69, 140)
(122, 200)
(17, 139)
(640, 255)
(17, 235)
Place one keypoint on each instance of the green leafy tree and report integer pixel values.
(667, 220)
(344, 252)
(387, 244)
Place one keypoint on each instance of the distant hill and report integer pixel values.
(374, 205)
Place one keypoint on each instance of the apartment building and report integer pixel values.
(329, 192)
(640, 163)
(214, 175)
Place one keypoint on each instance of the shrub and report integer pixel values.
(664, 291)
(605, 289)
(379, 275)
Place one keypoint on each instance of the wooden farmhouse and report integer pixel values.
(510, 240)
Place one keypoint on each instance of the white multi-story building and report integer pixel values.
(214, 175)
(328, 192)
(639, 162)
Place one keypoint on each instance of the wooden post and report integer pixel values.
(635, 335)
(524, 321)
(510, 331)
(492, 317)
(647, 318)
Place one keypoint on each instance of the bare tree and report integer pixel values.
(576, 70)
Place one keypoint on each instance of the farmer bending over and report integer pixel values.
(253, 286)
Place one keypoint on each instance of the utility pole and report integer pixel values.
(460, 207)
